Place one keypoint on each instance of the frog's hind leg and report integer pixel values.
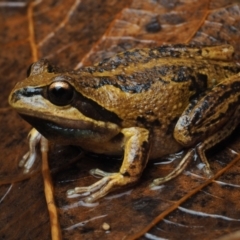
(207, 122)
(200, 151)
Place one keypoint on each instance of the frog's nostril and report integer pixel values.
(13, 98)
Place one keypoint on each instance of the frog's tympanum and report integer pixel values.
(142, 104)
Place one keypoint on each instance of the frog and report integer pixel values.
(141, 104)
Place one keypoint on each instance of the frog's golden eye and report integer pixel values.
(60, 93)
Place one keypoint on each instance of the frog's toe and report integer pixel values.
(158, 181)
(27, 161)
(99, 173)
(23, 160)
(208, 172)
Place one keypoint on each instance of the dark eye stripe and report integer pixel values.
(93, 110)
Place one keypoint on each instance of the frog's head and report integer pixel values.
(49, 95)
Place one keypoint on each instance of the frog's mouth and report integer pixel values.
(57, 133)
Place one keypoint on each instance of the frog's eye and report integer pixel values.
(60, 93)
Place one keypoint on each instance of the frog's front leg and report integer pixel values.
(29, 158)
(136, 153)
(206, 123)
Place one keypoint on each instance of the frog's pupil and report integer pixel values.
(60, 93)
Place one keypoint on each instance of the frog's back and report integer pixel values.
(137, 70)
(180, 51)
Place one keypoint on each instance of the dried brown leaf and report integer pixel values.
(75, 33)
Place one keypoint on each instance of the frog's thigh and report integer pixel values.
(210, 114)
(211, 119)
(136, 152)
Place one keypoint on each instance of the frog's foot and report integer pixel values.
(183, 163)
(29, 158)
(179, 169)
(103, 186)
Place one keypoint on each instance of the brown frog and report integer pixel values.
(142, 104)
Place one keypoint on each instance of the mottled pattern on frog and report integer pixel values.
(216, 110)
(135, 71)
(215, 99)
(145, 55)
(141, 79)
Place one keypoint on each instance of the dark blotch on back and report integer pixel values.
(136, 88)
(121, 78)
(162, 70)
(235, 86)
(169, 51)
(182, 74)
(121, 60)
(233, 69)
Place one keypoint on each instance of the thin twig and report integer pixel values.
(31, 30)
(48, 189)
